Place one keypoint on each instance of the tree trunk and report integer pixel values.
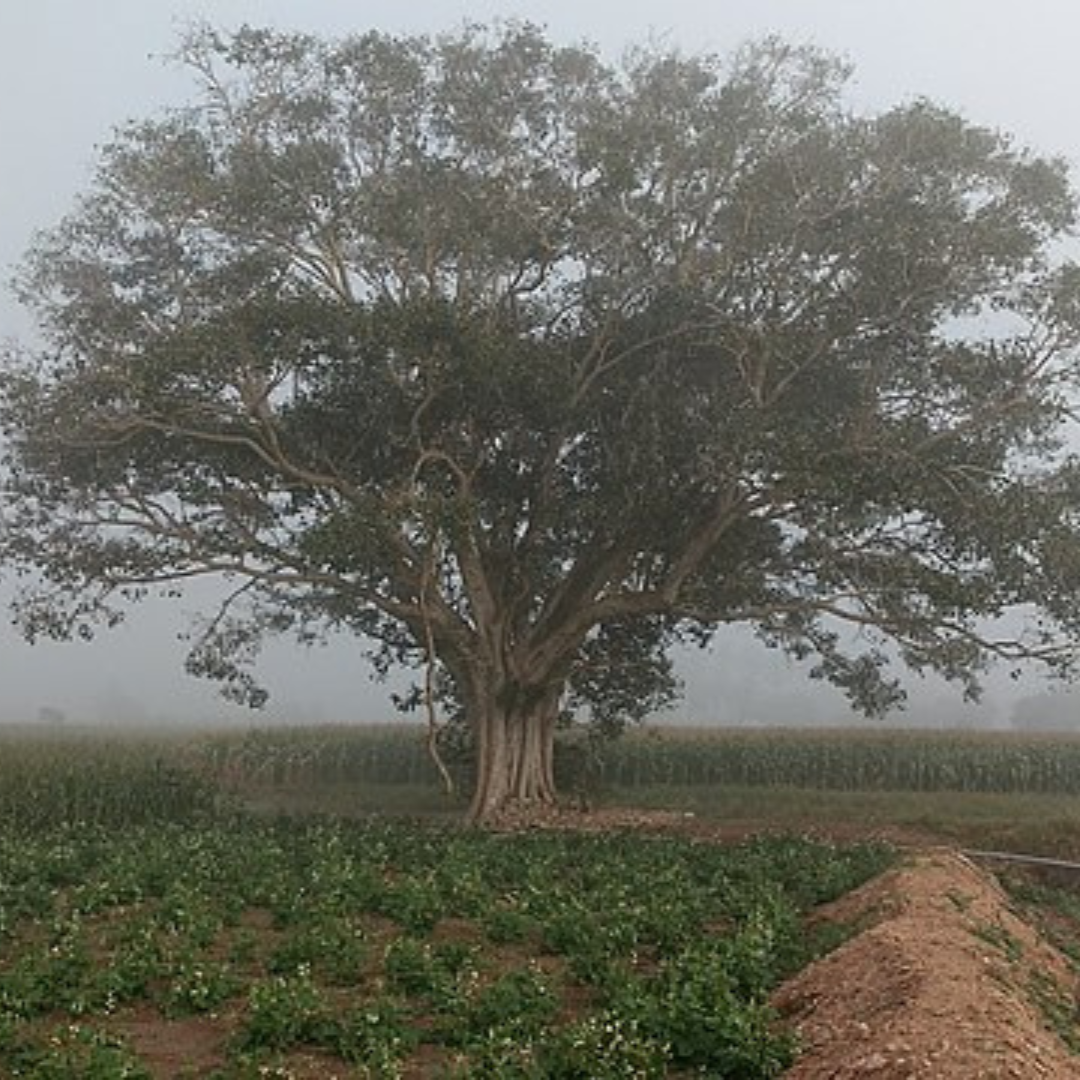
(515, 745)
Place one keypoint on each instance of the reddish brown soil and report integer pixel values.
(187, 1047)
(608, 819)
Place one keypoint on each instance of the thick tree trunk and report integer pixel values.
(515, 755)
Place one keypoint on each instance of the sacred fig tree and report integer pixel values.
(526, 366)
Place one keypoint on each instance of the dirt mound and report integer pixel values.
(945, 982)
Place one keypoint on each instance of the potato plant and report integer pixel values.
(373, 945)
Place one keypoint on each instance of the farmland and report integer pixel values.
(152, 924)
(980, 789)
(832, 759)
(381, 948)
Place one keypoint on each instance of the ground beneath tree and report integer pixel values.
(943, 982)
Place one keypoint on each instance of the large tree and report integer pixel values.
(526, 367)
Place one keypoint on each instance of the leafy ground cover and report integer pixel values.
(289, 948)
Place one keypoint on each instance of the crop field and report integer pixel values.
(1008, 791)
(832, 760)
(161, 915)
(146, 932)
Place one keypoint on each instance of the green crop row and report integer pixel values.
(379, 946)
(852, 760)
(868, 760)
(284, 756)
(81, 777)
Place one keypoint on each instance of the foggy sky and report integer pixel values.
(71, 70)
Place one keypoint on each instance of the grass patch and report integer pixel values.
(1032, 824)
(1058, 1007)
(998, 938)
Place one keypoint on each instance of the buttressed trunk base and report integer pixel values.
(515, 758)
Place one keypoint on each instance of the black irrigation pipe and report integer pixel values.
(1027, 860)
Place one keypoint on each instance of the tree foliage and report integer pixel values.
(504, 357)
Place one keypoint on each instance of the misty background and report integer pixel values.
(73, 70)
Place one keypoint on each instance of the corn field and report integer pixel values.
(888, 760)
(838, 760)
(91, 779)
(332, 754)
(52, 778)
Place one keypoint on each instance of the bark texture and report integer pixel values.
(515, 755)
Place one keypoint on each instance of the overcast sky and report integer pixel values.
(71, 70)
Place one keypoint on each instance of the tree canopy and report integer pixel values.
(529, 365)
